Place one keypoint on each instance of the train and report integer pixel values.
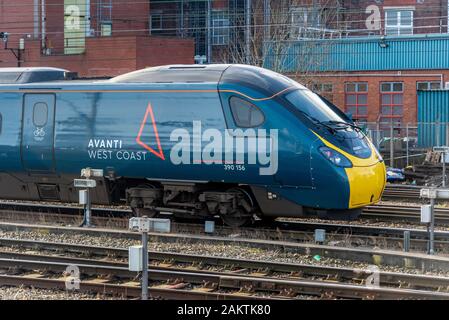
(235, 142)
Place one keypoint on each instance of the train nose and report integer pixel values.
(366, 184)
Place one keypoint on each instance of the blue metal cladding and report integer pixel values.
(360, 54)
(433, 117)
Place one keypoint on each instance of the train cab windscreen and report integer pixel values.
(350, 137)
(312, 105)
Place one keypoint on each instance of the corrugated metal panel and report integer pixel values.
(433, 108)
(361, 54)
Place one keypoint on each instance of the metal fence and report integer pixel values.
(404, 144)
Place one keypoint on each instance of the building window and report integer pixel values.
(398, 22)
(301, 19)
(428, 85)
(356, 100)
(220, 28)
(156, 21)
(106, 29)
(391, 102)
(322, 87)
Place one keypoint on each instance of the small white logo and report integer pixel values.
(39, 134)
(73, 280)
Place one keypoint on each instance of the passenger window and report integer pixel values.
(1, 123)
(40, 114)
(246, 114)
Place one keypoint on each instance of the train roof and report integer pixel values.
(264, 82)
(33, 75)
(257, 78)
(174, 74)
(31, 69)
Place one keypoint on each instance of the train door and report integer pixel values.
(38, 132)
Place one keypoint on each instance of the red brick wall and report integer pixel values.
(16, 18)
(220, 4)
(111, 56)
(409, 78)
(54, 25)
(162, 50)
(428, 13)
(104, 56)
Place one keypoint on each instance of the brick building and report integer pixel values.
(117, 36)
(91, 37)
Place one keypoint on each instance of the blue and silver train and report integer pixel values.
(233, 141)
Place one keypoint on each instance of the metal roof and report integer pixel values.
(414, 52)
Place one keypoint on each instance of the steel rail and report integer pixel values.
(167, 261)
(253, 285)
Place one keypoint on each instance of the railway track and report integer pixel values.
(395, 258)
(204, 277)
(389, 212)
(400, 191)
(117, 217)
(292, 230)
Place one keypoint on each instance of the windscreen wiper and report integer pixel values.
(346, 124)
(316, 121)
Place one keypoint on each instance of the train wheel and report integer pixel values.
(141, 212)
(239, 217)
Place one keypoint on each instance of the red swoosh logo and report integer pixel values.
(160, 152)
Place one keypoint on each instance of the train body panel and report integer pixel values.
(181, 137)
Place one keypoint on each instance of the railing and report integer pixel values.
(404, 144)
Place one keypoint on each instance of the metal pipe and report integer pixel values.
(267, 19)
(87, 19)
(444, 169)
(182, 18)
(406, 145)
(432, 226)
(36, 19)
(209, 36)
(440, 75)
(88, 210)
(144, 265)
(247, 31)
(43, 26)
(391, 145)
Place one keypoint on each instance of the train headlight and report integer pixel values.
(335, 157)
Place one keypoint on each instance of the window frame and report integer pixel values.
(391, 116)
(102, 31)
(356, 105)
(152, 15)
(399, 26)
(253, 106)
(429, 85)
(220, 28)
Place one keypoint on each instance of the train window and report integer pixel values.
(1, 123)
(246, 114)
(313, 105)
(40, 114)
